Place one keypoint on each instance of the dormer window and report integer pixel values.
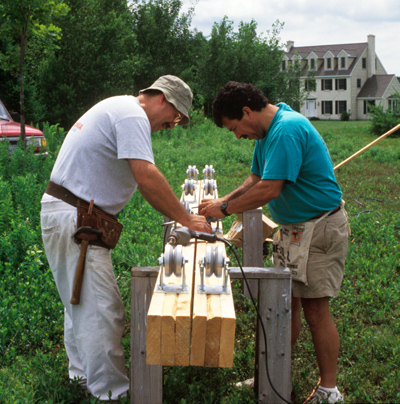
(343, 62)
(283, 64)
(329, 63)
(312, 63)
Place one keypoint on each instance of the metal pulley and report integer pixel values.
(188, 187)
(208, 172)
(192, 172)
(209, 187)
(186, 204)
(214, 263)
(172, 262)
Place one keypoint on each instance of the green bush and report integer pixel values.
(345, 116)
(382, 121)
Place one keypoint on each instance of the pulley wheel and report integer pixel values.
(173, 260)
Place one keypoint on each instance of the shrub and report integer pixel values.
(345, 116)
(383, 121)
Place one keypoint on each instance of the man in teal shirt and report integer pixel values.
(292, 172)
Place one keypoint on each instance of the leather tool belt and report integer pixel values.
(98, 227)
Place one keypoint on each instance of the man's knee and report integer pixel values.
(316, 311)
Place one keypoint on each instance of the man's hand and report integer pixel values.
(198, 223)
(211, 207)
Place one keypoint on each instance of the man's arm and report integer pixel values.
(158, 193)
(249, 182)
(259, 194)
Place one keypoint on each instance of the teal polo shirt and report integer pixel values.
(293, 150)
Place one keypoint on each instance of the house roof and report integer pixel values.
(375, 86)
(353, 50)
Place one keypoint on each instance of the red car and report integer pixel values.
(11, 130)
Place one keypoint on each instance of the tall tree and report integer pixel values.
(95, 59)
(165, 43)
(21, 21)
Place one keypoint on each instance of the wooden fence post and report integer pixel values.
(275, 309)
(146, 381)
(252, 246)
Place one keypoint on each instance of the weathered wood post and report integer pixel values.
(252, 246)
(274, 305)
(146, 381)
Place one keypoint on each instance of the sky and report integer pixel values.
(312, 22)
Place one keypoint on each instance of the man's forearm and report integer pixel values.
(258, 195)
(157, 192)
(248, 183)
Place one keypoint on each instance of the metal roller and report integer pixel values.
(186, 204)
(209, 187)
(208, 172)
(214, 261)
(192, 172)
(189, 187)
(173, 260)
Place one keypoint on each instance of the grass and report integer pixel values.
(33, 363)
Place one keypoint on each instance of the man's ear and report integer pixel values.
(161, 99)
(247, 111)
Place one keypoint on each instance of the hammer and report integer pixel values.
(80, 269)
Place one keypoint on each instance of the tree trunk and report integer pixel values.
(23, 41)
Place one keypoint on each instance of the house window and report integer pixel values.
(326, 107)
(343, 62)
(327, 84)
(341, 84)
(283, 64)
(364, 63)
(310, 85)
(329, 63)
(358, 83)
(312, 63)
(367, 104)
(340, 106)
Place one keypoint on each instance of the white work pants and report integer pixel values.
(92, 329)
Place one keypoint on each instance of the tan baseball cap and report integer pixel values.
(177, 92)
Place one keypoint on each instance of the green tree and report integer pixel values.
(95, 59)
(165, 44)
(23, 21)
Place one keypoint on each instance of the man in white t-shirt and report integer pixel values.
(105, 157)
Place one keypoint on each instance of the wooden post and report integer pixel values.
(275, 310)
(146, 381)
(252, 246)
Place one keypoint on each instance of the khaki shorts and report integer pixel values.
(326, 259)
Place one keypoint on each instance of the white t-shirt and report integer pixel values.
(92, 162)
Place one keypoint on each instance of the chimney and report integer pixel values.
(289, 45)
(371, 56)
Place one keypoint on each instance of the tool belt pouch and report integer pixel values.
(99, 227)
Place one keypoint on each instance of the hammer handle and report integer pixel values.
(80, 269)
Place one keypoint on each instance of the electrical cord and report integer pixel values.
(258, 316)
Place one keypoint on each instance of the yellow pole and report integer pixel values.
(368, 146)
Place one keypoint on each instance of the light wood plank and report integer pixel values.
(168, 323)
(184, 312)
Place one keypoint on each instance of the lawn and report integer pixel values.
(33, 363)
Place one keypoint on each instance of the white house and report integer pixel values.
(346, 77)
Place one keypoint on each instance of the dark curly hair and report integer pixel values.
(233, 97)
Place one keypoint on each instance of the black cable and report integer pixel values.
(259, 319)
